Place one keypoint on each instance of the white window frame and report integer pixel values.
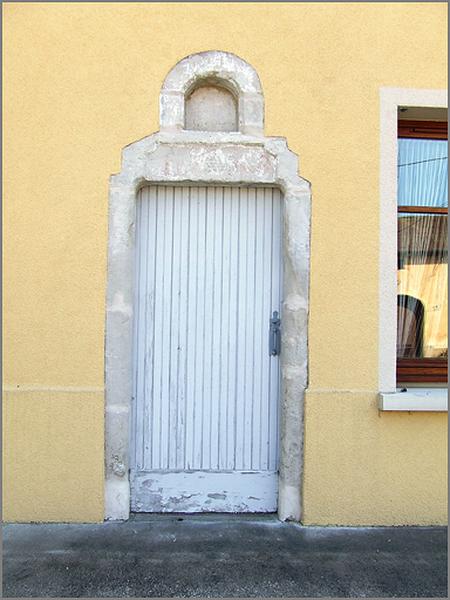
(390, 398)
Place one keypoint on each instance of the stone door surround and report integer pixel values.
(174, 156)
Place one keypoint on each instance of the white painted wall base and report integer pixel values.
(117, 499)
(204, 491)
(289, 507)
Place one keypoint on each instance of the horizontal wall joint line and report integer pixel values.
(54, 389)
(340, 391)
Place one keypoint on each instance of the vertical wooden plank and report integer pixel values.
(158, 328)
(200, 329)
(276, 305)
(216, 325)
(209, 259)
(224, 367)
(232, 300)
(148, 212)
(266, 314)
(173, 299)
(249, 316)
(183, 300)
(167, 261)
(191, 326)
(241, 331)
(136, 449)
(259, 333)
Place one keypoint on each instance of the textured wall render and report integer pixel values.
(52, 442)
(364, 467)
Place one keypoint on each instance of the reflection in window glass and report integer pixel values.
(422, 286)
(422, 249)
(422, 173)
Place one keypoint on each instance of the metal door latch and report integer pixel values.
(275, 334)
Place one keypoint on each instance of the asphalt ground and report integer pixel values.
(222, 556)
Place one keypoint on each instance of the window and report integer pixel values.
(422, 200)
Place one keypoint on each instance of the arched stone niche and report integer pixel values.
(221, 70)
(210, 106)
(176, 155)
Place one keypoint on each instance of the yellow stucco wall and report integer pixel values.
(364, 467)
(81, 82)
(53, 450)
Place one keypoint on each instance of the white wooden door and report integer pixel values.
(206, 390)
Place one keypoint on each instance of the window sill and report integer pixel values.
(418, 399)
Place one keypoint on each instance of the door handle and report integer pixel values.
(275, 334)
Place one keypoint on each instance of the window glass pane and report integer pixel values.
(422, 286)
(422, 172)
